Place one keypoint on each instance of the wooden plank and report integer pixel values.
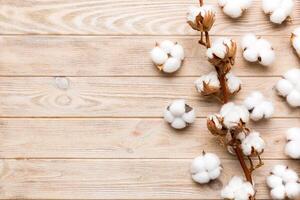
(123, 138)
(120, 56)
(117, 179)
(116, 97)
(123, 17)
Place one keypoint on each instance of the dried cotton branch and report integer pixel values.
(230, 126)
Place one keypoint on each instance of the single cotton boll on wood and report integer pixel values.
(234, 9)
(283, 183)
(289, 87)
(167, 56)
(179, 114)
(257, 50)
(279, 10)
(238, 189)
(205, 168)
(292, 147)
(258, 106)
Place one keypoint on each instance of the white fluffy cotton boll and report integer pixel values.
(205, 168)
(167, 56)
(233, 82)
(283, 183)
(237, 189)
(179, 114)
(292, 147)
(258, 106)
(210, 79)
(253, 142)
(219, 48)
(257, 50)
(279, 10)
(234, 9)
(233, 114)
(289, 87)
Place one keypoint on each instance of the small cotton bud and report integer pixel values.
(292, 147)
(205, 168)
(289, 87)
(279, 10)
(179, 114)
(167, 56)
(234, 9)
(257, 50)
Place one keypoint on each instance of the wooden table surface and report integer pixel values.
(81, 103)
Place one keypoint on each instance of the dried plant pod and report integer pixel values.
(215, 125)
(201, 18)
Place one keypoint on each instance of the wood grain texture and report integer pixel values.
(124, 17)
(117, 97)
(117, 179)
(124, 138)
(120, 56)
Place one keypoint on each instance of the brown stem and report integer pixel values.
(201, 2)
(223, 84)
(207, 39)
(239, 155)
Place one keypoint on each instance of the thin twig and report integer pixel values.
(207, 39)
(240, 157)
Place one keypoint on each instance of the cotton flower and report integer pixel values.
(233, 83)
(292, 147)
(295, 40)
(234, 114)
(258, 106)
(289, 87)
(167, 56)
(283, 183)
(222, 53)
(257, 50)
(238, 189)
(201, 18)
(234, 9)
(279, 10)
(253, 144)
(179, 114)
(215, 125)
(205, 168)
(208, 83)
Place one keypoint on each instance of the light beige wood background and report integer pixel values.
(81, 103)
